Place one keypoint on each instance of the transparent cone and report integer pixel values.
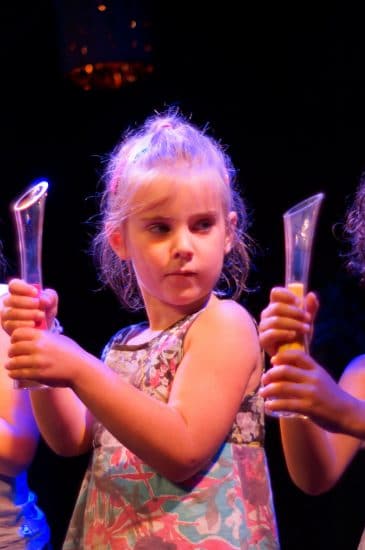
(28, 211)
(299, 229)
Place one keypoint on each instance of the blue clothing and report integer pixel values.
(23, 525)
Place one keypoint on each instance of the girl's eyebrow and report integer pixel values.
(159, 217)
(195, 215)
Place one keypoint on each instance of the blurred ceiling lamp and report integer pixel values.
(105, 45)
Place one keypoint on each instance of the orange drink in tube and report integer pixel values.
(298, 290)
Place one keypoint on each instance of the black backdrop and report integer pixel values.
(283, 89)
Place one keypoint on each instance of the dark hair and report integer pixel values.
(3, 262)
(354, 232)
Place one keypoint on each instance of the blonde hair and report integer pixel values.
(162, 141)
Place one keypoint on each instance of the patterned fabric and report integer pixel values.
(23, 525)
(125, 504)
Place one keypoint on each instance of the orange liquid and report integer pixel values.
(298, 290)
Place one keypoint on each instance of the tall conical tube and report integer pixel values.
(28, 211)
(299, 229)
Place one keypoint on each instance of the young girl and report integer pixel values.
(317, 449)
(172, 411)
(22, 523)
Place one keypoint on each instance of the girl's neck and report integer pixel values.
(144, 336)
(161, 316)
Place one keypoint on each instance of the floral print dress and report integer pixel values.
(125, 504)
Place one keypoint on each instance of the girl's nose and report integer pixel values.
(181, 254)
(183, 246)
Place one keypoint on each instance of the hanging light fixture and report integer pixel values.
(105, 45)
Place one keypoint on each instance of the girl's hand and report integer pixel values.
(286, 319)
(25, 307)
(45, 357)
(296, 383)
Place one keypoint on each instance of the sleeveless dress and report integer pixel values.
(125, 504)
(23, 525)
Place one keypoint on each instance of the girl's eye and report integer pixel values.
(158, 228)
(204, 224)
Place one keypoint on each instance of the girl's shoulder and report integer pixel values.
(352, 379)
(355, 370)
(231, 312)
(227, 329)
(222, 316)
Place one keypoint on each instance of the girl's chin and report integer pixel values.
(190, 299)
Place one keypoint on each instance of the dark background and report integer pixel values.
(285, 90)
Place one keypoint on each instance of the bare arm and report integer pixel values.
(61, 416)
(63, 421)
(317, 450)
(351, 417)
(207, 391)
(18, 430)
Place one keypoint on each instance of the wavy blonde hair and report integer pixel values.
(162, 141)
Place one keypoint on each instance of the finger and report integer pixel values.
(284, 373)
(276, 311)
(282, 294)
(270, 340)
(294, 357)
(288, 405)
(285, 296)
(21, 287)
(286, 390)
(25, 333)
(312, 305)
(21, 369)
(49, 298)
(11, 322)
(19, 350)
(11, 326)
(21, 302)
(21, 314)
(21, 374)
(292, 321)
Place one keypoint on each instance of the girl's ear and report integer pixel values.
(117, 243)
(230, 231)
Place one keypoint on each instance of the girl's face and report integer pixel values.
(177, 240)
